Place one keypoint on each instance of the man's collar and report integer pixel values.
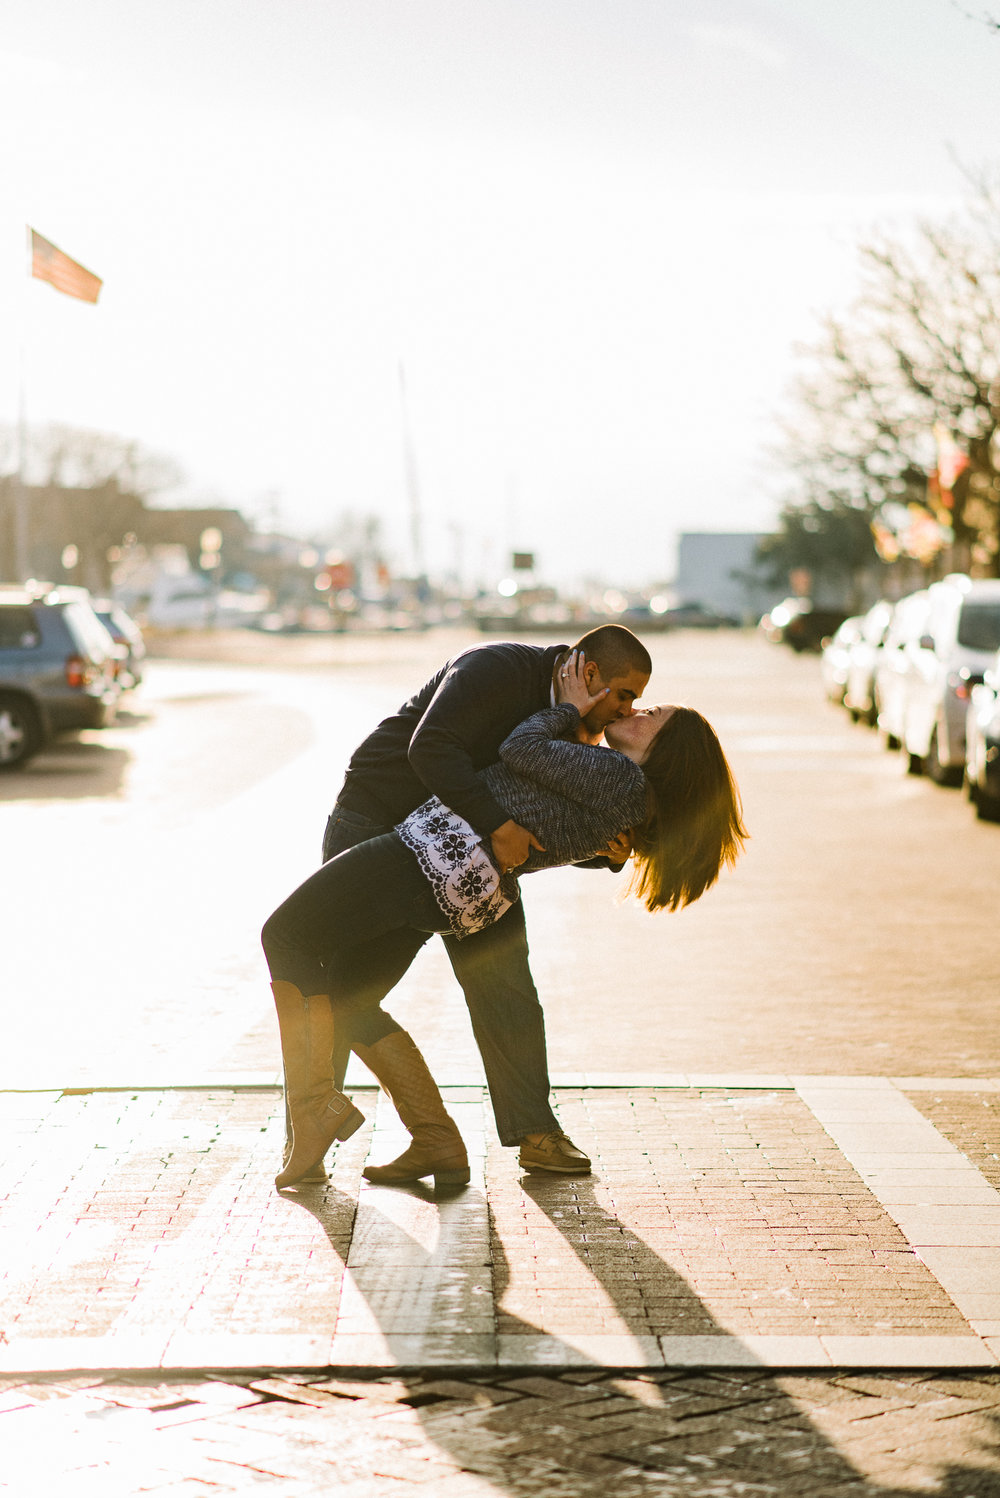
(562, 652)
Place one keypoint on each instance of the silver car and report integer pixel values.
(982, 744)
(957, 643)
(859, 689)
(894, 665)
(835, 662)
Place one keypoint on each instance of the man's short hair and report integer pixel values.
(615, 651)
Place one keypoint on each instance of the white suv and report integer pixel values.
(895, 665)
(959, 640)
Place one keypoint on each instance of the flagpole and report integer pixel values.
(22, 548)
(48, 263)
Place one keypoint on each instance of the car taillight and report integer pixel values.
(962, 682)
(79, 671)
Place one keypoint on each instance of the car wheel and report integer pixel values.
(914, 764)
(891, 740)
(939, 772)
(20, 731)
(987, 807)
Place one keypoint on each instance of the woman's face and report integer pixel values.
(633, 736)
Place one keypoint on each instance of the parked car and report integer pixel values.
(696, 616)
(958, 642)
(892, 668)
(835, 662)
(982, 744)
(127, 636)
(859, 690)
(57, 670)
(796, 622)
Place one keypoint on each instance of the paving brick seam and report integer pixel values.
(736, 1082)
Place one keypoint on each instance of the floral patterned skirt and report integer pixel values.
(467, 884)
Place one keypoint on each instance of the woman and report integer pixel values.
(664, 780)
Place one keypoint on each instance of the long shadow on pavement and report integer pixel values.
(73, 769)
(717, 1433)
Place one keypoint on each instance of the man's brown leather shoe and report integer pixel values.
(555, 1152)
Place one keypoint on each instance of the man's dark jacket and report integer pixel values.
(453, 727)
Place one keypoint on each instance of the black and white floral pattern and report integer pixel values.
(466, 882)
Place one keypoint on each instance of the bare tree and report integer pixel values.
(60, 456)
(82, 491)
(899, 406)
(984, 18)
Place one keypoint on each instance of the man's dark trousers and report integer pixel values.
(492, 967)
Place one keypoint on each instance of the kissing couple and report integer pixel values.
(494, 769)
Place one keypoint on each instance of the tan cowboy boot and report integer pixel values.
(314, 1176)
(437, 1147)
(319, 1113)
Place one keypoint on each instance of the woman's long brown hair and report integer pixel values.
(694, 826)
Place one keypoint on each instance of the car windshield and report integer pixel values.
(119, 623)
(111, 624)
(979, 626)
(88, 631)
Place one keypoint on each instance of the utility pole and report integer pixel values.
(412, 482)
(22, 547)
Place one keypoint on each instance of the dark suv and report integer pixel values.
(57, 670)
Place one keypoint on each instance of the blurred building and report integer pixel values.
(77, 534)
(716, 569)
(70, 531)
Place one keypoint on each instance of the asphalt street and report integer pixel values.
(857, 934)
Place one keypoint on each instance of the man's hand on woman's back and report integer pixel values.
(512, 844)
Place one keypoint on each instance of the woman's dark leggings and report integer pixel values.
(352, 929)
(495, 975)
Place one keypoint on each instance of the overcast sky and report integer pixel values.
(591, 231)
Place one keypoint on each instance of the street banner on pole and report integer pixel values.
(50, 264)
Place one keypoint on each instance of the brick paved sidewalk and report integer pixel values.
(586, 1434)
(831, 1223)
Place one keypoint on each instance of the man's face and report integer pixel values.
(624, 692)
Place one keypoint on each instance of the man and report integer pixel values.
(434, 745)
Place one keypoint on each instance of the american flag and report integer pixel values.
(66, 275)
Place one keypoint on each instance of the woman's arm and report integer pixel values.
(591, 776)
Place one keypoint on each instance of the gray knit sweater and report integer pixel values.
(574, 797)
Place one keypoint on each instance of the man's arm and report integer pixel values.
(477, 701)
